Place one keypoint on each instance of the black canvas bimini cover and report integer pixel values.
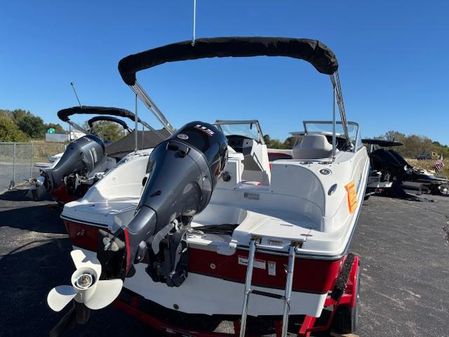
(95, 110)
(312, 51)
(381, 142)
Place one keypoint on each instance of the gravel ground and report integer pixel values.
(405, 267)
(404, 283)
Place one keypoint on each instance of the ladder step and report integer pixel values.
(268, 294)
(287, 291)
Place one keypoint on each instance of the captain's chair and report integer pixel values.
(312, 146)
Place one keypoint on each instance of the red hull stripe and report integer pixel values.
(128, 251)
(311, 275)
(83, 236)
(61, 195)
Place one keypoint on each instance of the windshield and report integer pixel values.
(250, 129)
(326, 128)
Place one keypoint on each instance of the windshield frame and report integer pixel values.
(253, 122)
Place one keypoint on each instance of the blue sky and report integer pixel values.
(393, 55)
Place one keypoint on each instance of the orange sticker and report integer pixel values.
(352, 196)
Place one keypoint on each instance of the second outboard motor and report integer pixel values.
(80, 157)
(181, 175)
(384, 161)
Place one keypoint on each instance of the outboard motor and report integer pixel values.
(181, 175)
(79, 158)
(387, 161)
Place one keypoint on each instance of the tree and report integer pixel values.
(272, 143)
(267, 139)
(108, 131)
(289, 142)
(414, 145)
(276, 144)
(18, 114)
(9, 131)
(6, 113)
(394, 136)
(31, 125)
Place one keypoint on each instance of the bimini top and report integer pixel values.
(381, 142)
(312, 51)
(95, 110)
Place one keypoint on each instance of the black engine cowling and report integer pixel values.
(390, 162)
(181, 175)
(80, 157)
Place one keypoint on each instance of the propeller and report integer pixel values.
(86, 288)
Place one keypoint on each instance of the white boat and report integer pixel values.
(266, 240)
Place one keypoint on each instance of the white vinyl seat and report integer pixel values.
(312, 146)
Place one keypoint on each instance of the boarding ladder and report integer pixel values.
(253, 245)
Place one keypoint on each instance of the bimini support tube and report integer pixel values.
(140, 92)
(335, 79)
(77, 127)
(334, 135)
(136, 145)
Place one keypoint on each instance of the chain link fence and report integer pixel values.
(18, 161)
